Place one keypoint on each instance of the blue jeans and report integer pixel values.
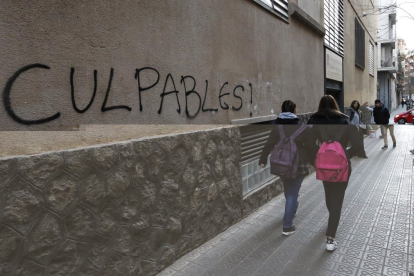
(291, 189)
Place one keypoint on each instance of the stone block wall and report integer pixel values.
(122, 209)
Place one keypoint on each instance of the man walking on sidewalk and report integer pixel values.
(382, 117)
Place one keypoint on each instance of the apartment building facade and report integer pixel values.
(350, 42)
(387, 55)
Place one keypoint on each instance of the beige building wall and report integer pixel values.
(359, 84)
(232, 44)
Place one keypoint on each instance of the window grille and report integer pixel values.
(334, 25)
(280, 7)
(371, 58)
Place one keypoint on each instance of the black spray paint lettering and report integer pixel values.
(251, 97)
(138, 77)
(222, 95)
(204, 102)
(238, 97)
(188, 93)
(7, 102)
(104, 108)
(251, 93)
(169, 76)
(141, 89)
(72, 87)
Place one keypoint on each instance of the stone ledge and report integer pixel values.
(247, 121)
(301, 15)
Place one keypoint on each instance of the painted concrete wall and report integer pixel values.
(359, 84)
(384, 32)
(394, 100)
(314, 8)
(33, 142)
(233, 41)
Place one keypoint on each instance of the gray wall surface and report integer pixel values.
(237, 46)
(359, 84)
(119, 209)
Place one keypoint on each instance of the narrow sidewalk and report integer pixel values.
(375, 236)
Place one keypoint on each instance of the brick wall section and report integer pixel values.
(123, 209)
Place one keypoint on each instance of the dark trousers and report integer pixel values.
(291, 188)
(334, 196)
(361, 139)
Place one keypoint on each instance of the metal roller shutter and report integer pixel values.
(359, 44)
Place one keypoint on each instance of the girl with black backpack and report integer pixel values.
(288, 129)
(331, 128)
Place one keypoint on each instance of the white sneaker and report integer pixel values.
(331, 245)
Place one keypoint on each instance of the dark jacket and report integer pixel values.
(289, 127)
(381, 115)
(326, 126)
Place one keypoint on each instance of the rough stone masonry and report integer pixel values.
(130, 208)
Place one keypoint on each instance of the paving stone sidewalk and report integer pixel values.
(375, 236)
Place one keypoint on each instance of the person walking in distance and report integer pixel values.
(382, 118)
(333, 165)
(355, 114)
(288, 160)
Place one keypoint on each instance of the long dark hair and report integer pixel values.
(288, 106)
(328, 104)
(352, 105)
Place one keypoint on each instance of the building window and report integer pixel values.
(334, 25)
(371, 58)
(279, 7)
(359, 45)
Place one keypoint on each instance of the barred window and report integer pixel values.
(359, 44)
(279, 7)
(334, 25)
(371, 58)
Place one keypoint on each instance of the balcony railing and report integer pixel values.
(387, 63)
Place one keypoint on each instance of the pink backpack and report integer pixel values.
(331, 163)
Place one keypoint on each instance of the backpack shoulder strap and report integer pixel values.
(281, 132)
(338, 135)
(340, 132)
(322, 133)
(301, 129)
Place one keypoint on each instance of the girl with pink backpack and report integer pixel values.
(333, 133)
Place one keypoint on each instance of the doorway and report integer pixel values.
(335, 89)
